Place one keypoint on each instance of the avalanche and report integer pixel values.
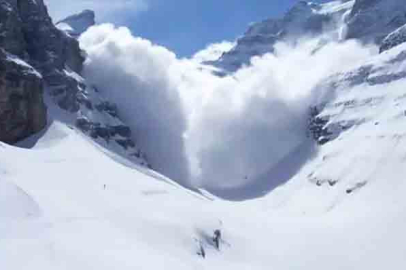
(76, 205)
(297, 160)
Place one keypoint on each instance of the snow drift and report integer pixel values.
(217, 133)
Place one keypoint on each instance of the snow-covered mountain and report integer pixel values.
(77, 205)
(35, 47)
(373, 20)
(79, 194)
(305, 19)
(364, 20)
(77, 24)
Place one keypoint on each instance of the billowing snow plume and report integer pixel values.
(211, 132)
(213, 51)
(135, 74)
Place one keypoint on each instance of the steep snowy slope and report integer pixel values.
(71, 204)
(372, 20)
(369, 21)
(303, 20)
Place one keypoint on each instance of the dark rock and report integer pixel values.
(84, 124)
(22, 109)
(83, 99)
(48, 47)
(126, 143)
(99, 131)
(123, 131)
(67, 91)
(356, 187)
(11, 32)
(50, 50)
(108, 108)
(317, 127)
(394, 39)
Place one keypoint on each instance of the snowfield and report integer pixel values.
(67, 203)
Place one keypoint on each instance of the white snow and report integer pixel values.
(335, 6)
(186, 115)
(18, 61)
(68, 204)
(304, 19)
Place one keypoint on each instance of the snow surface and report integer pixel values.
(67, 203)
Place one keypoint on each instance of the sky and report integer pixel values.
(183, 26)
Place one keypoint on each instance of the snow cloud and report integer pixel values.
(134, 73)
(106, 10)
(207, 131)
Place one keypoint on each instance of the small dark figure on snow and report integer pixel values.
(217, 238)
(201, 251)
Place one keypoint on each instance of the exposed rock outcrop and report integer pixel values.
(394, 39)
(373, 20)
(11, 32)
(22, 109)
(47, 47)
(27, 31)
(35, 55)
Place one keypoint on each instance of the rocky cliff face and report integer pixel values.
(27, 31)
(22, 109)
(373, 20)
(36, 58)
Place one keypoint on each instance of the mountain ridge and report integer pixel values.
(351, 19)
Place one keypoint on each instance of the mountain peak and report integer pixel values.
(77, 24)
